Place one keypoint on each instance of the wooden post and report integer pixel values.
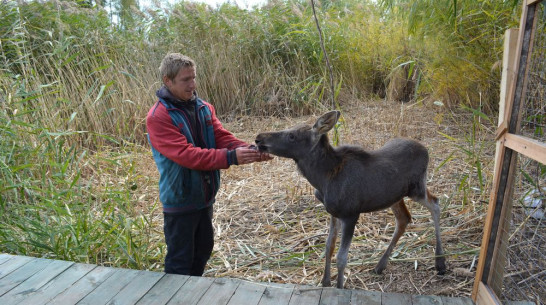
(508, 76)
(498, 259)
(510, 64)
(508, 68)
(489, 273)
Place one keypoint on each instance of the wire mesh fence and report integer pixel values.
(525, 261)
(525, 258)
(533, 122)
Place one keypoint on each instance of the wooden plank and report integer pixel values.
(366, 297)
(501, 224)
(508, 71)
(19, 275)
(395, 299)
(192, 291)
(426, 300)
(110, 287)
(456, 301)
(12, 264)
(531, 2)
(163, 290)
(83, 286)
(219, 292)
(502, 229)
(137, 288)
(35, 282)
(486, 296)
(42, 281)
(248, 293)
(304, 295)
(275, 294)
(5, 257)
(335, 296)
(508, 75)
(528, 147)
(488, 225)
(58, 285)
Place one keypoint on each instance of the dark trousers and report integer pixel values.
(190, 239)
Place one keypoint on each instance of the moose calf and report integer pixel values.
(349, 180)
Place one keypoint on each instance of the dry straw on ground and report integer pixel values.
(270, 228)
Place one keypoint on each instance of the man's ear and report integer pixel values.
(326, 122)
(166, 80)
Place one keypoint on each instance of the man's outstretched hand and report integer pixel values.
(251, 155)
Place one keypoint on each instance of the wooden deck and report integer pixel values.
(28, 280)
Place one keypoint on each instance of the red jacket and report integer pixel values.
(189, 174)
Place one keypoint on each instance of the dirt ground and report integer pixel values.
(270, 228)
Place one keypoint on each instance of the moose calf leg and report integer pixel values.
(347, 231)
(431, 203)
(330, 246)
(403, 217)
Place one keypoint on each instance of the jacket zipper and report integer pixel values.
(195, 134)
(207, 175)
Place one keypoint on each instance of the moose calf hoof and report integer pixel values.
(326, 283)
(378, 270)
(441, 267)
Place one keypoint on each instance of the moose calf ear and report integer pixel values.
(326, 122)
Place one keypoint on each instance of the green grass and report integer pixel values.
(51, 205)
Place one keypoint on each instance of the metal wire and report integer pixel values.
(533, 123)
(525, 260)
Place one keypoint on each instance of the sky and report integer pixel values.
(214, 3)
(240, 3)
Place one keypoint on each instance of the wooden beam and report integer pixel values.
(507, 80)
(531, 2)
(501, 130)
(486, 296)
(504, 214)
(512, 50)
(498, 241)
(508, 70)
(505, 160)
(525, 146)
(492, 255)
(510, 90)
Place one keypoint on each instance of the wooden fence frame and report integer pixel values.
(517, 50)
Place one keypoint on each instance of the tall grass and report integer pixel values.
(58, 93)
(51, 206)
(462, 45)
(473, 147)
(100, 77)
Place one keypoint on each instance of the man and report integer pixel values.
(189, 146)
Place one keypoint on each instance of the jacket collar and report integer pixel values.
(166, 95)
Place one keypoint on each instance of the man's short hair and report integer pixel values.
(172, 63)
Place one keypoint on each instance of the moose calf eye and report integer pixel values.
(291, 137)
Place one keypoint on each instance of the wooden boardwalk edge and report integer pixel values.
(29, 280)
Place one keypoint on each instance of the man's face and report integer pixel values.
(183, 85)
